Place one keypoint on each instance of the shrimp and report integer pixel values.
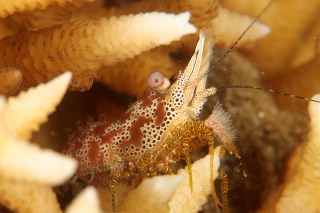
(161, 127)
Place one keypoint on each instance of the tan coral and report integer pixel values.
(301, 188)
(296, 80)
(290, 22)
(85, 46)
(26, 171)
(19, 112)
(5, 30)
(18, 162)
(172, 193)
(122, 78)
(14, 6)
(28, 197)
(18, 158)
(202, 12)
(185, 201)
(228, 26)
(201, 16)
(86, 201)
(36, 19)
(10, 79)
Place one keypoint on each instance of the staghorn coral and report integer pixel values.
(52, 13)
(10, 79)
(11, 7)
(49, 52)
(19, 116)
(120, 76)
(27, 172)
(307, 72)
(86, 201)
(17, 123)
(300, 190)
(287, 34)
(226, 33)
(202, 12)
(288, 48)
(171, 193)
(27, 197)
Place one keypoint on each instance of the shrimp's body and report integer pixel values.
(161, 127)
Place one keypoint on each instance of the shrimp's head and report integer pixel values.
(189, 93)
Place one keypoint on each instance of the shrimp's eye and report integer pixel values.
(155, 79)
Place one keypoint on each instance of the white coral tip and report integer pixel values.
(86, 201)
(24, 113)
(20, 160)
(153, 194)
(183, 18)
(183, 200)
(314, 109)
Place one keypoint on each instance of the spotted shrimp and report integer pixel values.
(161, 127)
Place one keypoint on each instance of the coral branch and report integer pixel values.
(26, 171)
(182, 200)
(10, 79)
(9, 7)
(86, 201)
(25, 113)
(22, 161)
(85, 46)
(123, 78)
(301, 189)
(28, 197)
(202, 11)
(228, 26)
(172, 193)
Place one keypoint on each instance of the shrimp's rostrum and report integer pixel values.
(161, 127)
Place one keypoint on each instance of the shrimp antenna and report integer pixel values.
(240, 37)
(267, 90)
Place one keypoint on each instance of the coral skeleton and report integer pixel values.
(301, 188)
(86, 46)
(10, 79)
(86, 201)
(171, 193)
(26, 171)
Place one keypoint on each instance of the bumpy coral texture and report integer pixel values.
(28, 172)
(208, 16)
(65, 40)
(172, 193)
(10, 79)
(86, 46)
